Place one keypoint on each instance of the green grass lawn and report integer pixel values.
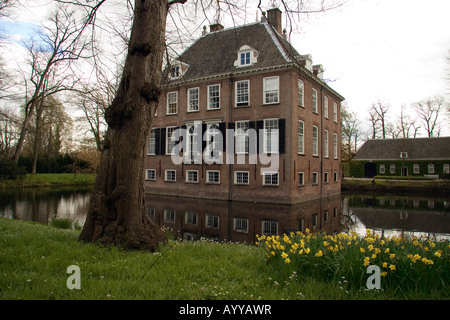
(34, 259)
(50, 179)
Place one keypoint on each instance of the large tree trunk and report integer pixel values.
(117, 212)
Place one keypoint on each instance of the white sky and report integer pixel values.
(392, 50)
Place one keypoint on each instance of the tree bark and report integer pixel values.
(117, 213)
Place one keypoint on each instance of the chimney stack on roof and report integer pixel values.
(274, 19)
(216, 27)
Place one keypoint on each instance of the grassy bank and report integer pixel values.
(34, 261)
(49, 179)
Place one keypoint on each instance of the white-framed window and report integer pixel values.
(382, 168)
(241, 177)
(301, 93)
(193, 98)
(172, 102)
(150, 174)
(326, 144)
(392, 168)
(326, 177)
(325, 107)
(170, 175)
(175, 72)
(169, 215)
(271, 136)
(240, 224)
(430, 168)
(213, 176)
(241, 137)
(192, 176)
(301, 137)
(190, 217)
(212, 221)
(315, 179)
(336, 177)
(214, 97)
(335, 146)
(335, 117)
(243, 93)
(446, 168)
(270, 179)
(315, 142)
(301, 178)
(315, 108)
(193, 151)
(170, 145)
(213, 147)
(271, 90)
(270, 227)
(151, 149)
(416, 168)
(244, 58)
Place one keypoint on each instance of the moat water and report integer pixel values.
(194, 219)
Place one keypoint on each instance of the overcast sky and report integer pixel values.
(392, 50)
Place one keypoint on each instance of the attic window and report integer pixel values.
(403, 155)
(175, 72)
(247, 56)
(177, 69)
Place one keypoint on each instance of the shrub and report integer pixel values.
(10, 170)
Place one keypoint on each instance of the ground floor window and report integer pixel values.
(170, 175)
(270, 179)
(269, 227)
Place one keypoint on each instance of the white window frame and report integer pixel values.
(269, 227)
(213, 94)
(172, 98)
(151, 149)
(271, 134)
(446, 168)
(240, 225)
(212, 221)
(166, 175)
(271, 181)
(431, 168)
(315, 107)
(213, 136)
(243, 173)
(336, 176)
(191, 217)
(315, 141)
(147, 174)
(325, 107)
(208, 179)
(416, 168)
(243, 103)
(392, 168)
(301, 182)
(335, 146)
(301, 93)
(193, 99)
(271, 96)
(169, 143)
(192, 176)
(315, 179)
(335, 112)
(245, 56)
(326, 144)
(326, 177)
(382, 168)
(301, 137)
(170, 215)
(241, 137)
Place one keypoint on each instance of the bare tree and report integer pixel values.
(61, 43)
(428, 112)
(350, 130)
(377, 114)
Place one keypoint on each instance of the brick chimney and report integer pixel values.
(216, 27)
(274, 19)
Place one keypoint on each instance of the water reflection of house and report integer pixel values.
(192, 219)
(407, 214)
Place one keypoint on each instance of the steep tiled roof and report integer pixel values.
(215, 53)
(417, 149)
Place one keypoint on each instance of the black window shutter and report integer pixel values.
(203, 136)
(260, 139)
(157, 140)
(281, 135)
(222, 128)
(162, 149)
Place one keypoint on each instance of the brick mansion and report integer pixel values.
(244, 117)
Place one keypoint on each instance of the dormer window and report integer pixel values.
(247, 56)
(177, 69)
